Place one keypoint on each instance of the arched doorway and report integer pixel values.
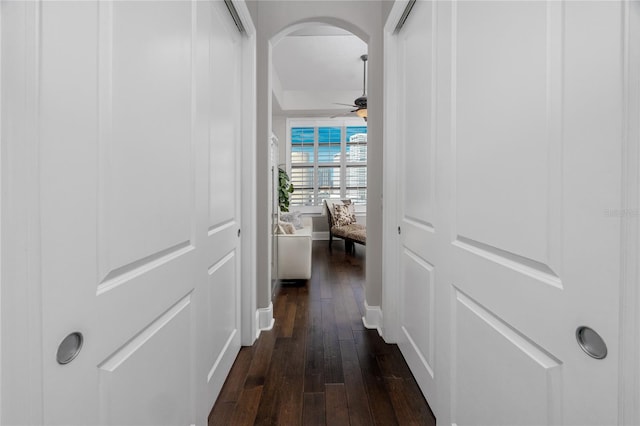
(294, 17)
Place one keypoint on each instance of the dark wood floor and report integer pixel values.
(319, 365)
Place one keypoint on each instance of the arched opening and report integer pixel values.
(318, 136)
(276, 21)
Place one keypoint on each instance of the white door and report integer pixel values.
(418, 234)
(139, 212)
(510, 217)
(222, 321)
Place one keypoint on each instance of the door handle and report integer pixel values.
(591, 342)
(69, 348)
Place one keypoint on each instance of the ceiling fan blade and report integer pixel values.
(344, 114)
(350, 105)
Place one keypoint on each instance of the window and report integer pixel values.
(328, 160)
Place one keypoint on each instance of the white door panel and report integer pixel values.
(222, 245)
(222, 301)
(155, 349)
(524, 379)
(144, 164)
(225, 132)
(417, 201)
(418, 144)
(140, 209)
(418, 313)
(506, 235)
(530, 203)
(503, 143)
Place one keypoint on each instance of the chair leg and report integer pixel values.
(348, 246)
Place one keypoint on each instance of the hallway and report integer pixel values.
(319, 365)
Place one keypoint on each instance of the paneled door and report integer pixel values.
(417, 228)
(222, 322)
(510, 217)
(139, 210)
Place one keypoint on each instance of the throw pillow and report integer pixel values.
(352, 207)
(285, 228)
(343, 215)
(293, 217)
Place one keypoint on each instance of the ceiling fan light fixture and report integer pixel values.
(362, 113)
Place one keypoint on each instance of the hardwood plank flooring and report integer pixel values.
(319, 365)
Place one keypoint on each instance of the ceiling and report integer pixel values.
(315, 67)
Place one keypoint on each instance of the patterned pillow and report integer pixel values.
(343, 215)
(352, 207)
(292, 217)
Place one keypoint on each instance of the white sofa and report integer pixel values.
(294, 252)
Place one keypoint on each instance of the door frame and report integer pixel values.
(391, 187)
(21, 395)
(21, 351)
(248, 161)
(629, 387)
(629, 213)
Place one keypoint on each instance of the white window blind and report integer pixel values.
(328, 161)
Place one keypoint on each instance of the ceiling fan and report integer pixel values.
(360, 104)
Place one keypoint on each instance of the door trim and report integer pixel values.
(21, 287)
(390, 189)
(629, 215)
(248, 170)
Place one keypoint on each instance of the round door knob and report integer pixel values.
(69, 348)
(591, 342)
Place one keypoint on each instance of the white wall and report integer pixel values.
(363, 18)
(279, 125)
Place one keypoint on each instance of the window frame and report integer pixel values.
(341, 122)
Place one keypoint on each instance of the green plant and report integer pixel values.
(285, 188)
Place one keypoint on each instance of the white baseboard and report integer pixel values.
(373, 317)
(322, 235)
(264, 319)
